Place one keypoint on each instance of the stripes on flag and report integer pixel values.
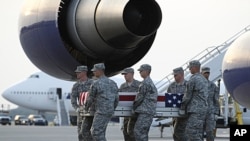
(127, 99)
(82, 98)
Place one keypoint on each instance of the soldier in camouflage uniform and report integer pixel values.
(104, 95)
(82, 85)
(86, 126)
(179, 86)
(144, 106)
(131, 85)
(194, 102)
(87, 123)
(213, 106)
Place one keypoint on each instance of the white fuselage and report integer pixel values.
(39, 92)
(36, 93)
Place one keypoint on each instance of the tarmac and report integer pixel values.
(69, 133)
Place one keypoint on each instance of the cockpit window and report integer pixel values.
(34, 76)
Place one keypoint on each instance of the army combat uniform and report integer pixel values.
(210, 122)
(78, 88)
(180, 122)
(144, 107)
(195, 103)
(128, 129)
(213, 106)
(104, 94)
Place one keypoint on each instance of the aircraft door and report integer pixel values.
(59, 92)
(54, 92)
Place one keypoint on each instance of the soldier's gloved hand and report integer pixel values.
(132, 111)
(215, 117)
(182, 112)
(77, 109)
(85, 108)
(85, 111)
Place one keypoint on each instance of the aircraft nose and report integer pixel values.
(6, 94)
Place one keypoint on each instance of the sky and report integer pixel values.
(188, 27)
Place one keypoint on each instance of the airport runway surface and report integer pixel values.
(68, 133)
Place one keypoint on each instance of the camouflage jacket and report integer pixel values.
(196, 94)
(132, 88)
(175, 87)
(213, 98)
(146, 98)
(77, 88)
(104, 95)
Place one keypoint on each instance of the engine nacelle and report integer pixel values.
(236, 70)
(58, 35)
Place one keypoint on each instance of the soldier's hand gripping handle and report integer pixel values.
(81, 109)
(182, 111)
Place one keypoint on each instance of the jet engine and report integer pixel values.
(236, 70)
(58, 35)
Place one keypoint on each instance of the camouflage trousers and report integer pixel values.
(142, 126)
(209, 127)
(79, 126)
(128, 128)
(99, 126)
(195, 126)
(85, 128)
(179, 129)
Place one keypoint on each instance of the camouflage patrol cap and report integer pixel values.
(194, 63)
(81, 69)
(127, 70)
(178, 70)
(145, 67)
(99, 66)
(205, 69)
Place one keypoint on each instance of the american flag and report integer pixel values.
(127, 99)
(82, 98)
(173, 100)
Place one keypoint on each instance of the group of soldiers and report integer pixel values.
(102, 98)
(200, 104)
(198, 109)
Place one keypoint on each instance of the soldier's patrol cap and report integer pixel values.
(99, 66)
(145, 67)
(205, 69)
(194, 63)
(127, 70)
(178, 70)
(81, 68)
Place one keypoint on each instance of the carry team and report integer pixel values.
(198, 110)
